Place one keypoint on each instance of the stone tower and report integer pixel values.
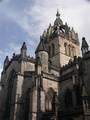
(42, 55)
(61, 41)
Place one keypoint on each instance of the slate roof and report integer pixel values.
(42, 46)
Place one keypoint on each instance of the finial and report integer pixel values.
(83, 38)
(13, 55)
(72, 29)
(58, 14)
(84, 42)
(49, 24)
(6, 59)
(24, 46)
(66, 23)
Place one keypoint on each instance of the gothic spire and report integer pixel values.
(84, 43)
(85, 46)
(57, 14)
(24, 46)
(58, 21)
(6, 61)
(41, 46)
(24, 50)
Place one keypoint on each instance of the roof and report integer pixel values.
(42, 46)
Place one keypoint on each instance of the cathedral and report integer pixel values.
(55, 85)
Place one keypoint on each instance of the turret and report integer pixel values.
(42, 55)
(85, 46)
(6, 61)
(24, 50)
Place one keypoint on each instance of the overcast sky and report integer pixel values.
(25, 20)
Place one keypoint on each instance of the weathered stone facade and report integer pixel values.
(53, 85)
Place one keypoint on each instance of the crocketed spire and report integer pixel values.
(58, 20)
(57, 14)
(24, 46)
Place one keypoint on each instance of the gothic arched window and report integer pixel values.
(66, 50)
(53, 49)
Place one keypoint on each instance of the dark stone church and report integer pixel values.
(55, 85)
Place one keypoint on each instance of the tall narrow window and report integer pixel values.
(49, 51)
(74, 52)
(65, 46)
(53, 49)
(69, 48)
